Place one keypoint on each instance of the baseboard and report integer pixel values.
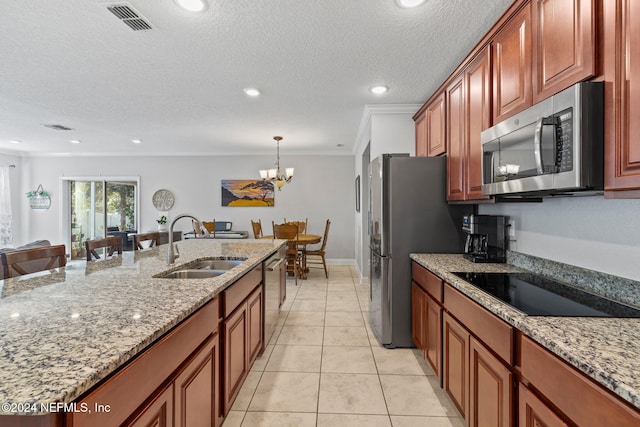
(337, 261)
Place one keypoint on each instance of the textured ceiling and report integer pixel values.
(179, 87)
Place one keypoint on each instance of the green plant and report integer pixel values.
(40, 193)
(162, 220)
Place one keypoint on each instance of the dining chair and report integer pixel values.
(302, 225)
(315, 258)
(153, 238)
(112, 243)
(199, 231)
(26, 261)
(257, 229)
(289, 232)
(210, 226)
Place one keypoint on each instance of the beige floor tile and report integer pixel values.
(342, 305)
(341, 294)
(233, 419)
(305, 318)
(295, 358)
(400, 361)
(279, 419)
(346, 336)
(406, 421)
(351, 360)
(351, 394)
(301, 335)
(261, 361)
(308, 305)
(348, 420)
(274, 337)
(414, 395)
(286, 392)
(343, 318)
(246, 391)
(304, 294)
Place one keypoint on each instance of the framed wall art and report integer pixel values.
(247, 192)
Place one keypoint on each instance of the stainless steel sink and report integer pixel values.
(202, 269)
(192, 274)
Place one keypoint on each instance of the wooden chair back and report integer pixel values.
(257, 229)
(153, 238)
(112, 243)
(17, 263)
(326, 234)
(302, 225)
(210, 226)
(286, 231)
(289, 232)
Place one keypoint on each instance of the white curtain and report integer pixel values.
(6, 234)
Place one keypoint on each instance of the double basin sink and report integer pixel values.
(202, 269)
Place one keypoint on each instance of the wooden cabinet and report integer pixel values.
(418, 315)
(159, 413)
(243, 332)
(490, 389)
(564, 44)
(433, 334)
(511, 49)
(532, 412)
(469, 113)
(622, 98)
(430, 128)
(455, 366)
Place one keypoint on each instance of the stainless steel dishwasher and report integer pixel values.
(274, 273)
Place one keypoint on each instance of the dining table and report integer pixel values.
(302, 240)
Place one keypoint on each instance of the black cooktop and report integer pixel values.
(539, 296)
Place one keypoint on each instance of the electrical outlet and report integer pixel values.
(512, 229)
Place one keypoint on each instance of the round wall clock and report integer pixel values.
(163, 200)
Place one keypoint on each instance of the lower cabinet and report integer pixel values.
(433, 350)
(532, 412)
(419, 315)
(455, 370)
(159, 413)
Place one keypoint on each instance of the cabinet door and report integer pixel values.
(622, 106)
(490, 389)
(433, 333)
(418, 312)
(255, 323)
(511, 49)
(159, 413)
(456, 138)
(455, 355)
(477, 77)
(421, 135)
(196, 389)
(564, 43)
(436, 127)
(283, 279)
(532, 412)
(236, 360)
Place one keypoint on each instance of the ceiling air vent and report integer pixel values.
(127, 14)
(57, 127)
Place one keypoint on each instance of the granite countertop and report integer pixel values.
(63, 331)
(605, 349)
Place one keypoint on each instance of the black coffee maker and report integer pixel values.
(486, 240)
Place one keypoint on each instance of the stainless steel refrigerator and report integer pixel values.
(408, 212)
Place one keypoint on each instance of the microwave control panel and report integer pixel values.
(564, 140)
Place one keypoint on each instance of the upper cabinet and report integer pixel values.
(622, 98)
(430, 129)
(564, 44)
(511, 48)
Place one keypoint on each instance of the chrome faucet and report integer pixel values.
(171, 256)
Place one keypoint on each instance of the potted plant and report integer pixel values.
(162, 223)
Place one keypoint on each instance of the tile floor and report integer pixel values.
(323, 367)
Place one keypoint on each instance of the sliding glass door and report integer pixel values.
(99, 208)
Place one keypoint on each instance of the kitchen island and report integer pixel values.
(62, 332)
(599, 353)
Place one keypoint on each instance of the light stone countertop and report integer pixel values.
(605, 349)
(63, 331)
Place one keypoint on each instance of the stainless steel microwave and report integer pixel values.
(554, 147)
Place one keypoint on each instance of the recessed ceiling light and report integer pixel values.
(409, 3)
(136, 141)
(192, 5)
(15, 141)
(75, 141)
(251, 91)
(379, 90)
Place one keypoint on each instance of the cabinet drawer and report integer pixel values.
(581, 399)
(427, 281)
(235, 294)
(133, 384)
(495, 333)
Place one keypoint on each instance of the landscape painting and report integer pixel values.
(247, 192)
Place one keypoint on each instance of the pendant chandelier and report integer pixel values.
(274, 175)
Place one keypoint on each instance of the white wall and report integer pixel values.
(589, 232)
(17, 195)
(322, 189)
